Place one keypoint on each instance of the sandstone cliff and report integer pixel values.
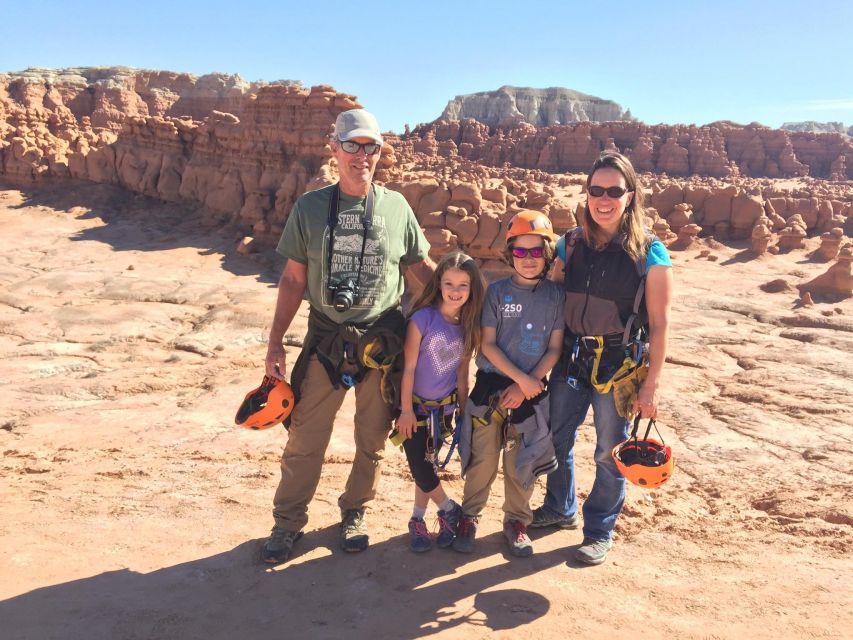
(244, 151)
(721, 149)
(509, 106)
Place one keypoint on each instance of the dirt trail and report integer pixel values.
(131, 507)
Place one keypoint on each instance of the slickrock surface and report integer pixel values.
(510, 106)
(132, 507)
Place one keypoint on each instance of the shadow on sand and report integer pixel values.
(385, 592)
(134, 222)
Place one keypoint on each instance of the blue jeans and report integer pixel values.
(569, 407)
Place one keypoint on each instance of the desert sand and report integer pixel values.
(132, 507)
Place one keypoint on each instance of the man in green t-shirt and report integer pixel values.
(345, 246)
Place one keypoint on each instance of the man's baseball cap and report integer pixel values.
(357, 123)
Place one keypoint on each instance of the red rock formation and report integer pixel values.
(720, 149)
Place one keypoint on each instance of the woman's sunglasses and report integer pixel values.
(369, 147)
(534, 252)
(614, 192)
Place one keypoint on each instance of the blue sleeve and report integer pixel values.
(657, 255)
(561, 248)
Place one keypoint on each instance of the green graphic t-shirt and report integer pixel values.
(395, 239)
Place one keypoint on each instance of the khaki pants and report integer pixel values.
(483, 469)
(309, 436)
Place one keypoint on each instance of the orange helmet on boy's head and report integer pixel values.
(646, 463)
(266, 406)
(528, 221)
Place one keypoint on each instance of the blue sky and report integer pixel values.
(670, 62)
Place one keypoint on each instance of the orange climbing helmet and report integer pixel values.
(528, 221)
(266, 406)
(646, 463)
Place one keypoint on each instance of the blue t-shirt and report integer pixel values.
(657, 253)
(523, 318)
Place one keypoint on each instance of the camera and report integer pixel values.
(343, 294)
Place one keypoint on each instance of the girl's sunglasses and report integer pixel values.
(534, 252)
(614, 192)
(352, 147)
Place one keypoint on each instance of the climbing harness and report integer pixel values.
(433, 417)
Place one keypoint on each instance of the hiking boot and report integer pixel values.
(279, 545)
(419, 538)
(544, 517)
(448, 522)
(515, 533)
(593, 551)
(353, 531)
(465, 534)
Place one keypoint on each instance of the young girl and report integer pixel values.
(442, 335)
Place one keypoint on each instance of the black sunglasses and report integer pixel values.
(614, 192)
(352, 147)
(533, 252)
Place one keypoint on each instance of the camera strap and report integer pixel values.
(332, 223)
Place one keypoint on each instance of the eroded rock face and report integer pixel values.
(509, 106)
(241, 150)
(721, 149)
(248, 159)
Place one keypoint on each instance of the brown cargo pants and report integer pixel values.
(486, 447)
(309, 435)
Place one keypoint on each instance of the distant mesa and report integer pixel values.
(811, 126)
(510, 106)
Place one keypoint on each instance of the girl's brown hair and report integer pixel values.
(636, 240)
(470, 314)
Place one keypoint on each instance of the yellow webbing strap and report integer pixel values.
(627, 367)
(398, 439)
(371, 363)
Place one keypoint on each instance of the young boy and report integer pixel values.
(522, 334)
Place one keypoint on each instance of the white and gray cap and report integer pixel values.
(357, 123)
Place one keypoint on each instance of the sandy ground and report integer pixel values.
(132, 507)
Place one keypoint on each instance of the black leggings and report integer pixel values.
(416, 453)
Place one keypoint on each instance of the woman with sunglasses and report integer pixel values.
(617, 279)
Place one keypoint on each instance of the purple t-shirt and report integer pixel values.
(439, 356)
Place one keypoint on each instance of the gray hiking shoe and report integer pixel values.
(419, 538)
(544, 517)
(465, 534)
(279, 545)
(593, 551)
(353, 531)
(515, 533)
(448, 522)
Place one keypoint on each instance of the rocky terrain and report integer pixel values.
(462, 178)
(510, 106)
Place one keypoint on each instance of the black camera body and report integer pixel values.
(343, 294)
